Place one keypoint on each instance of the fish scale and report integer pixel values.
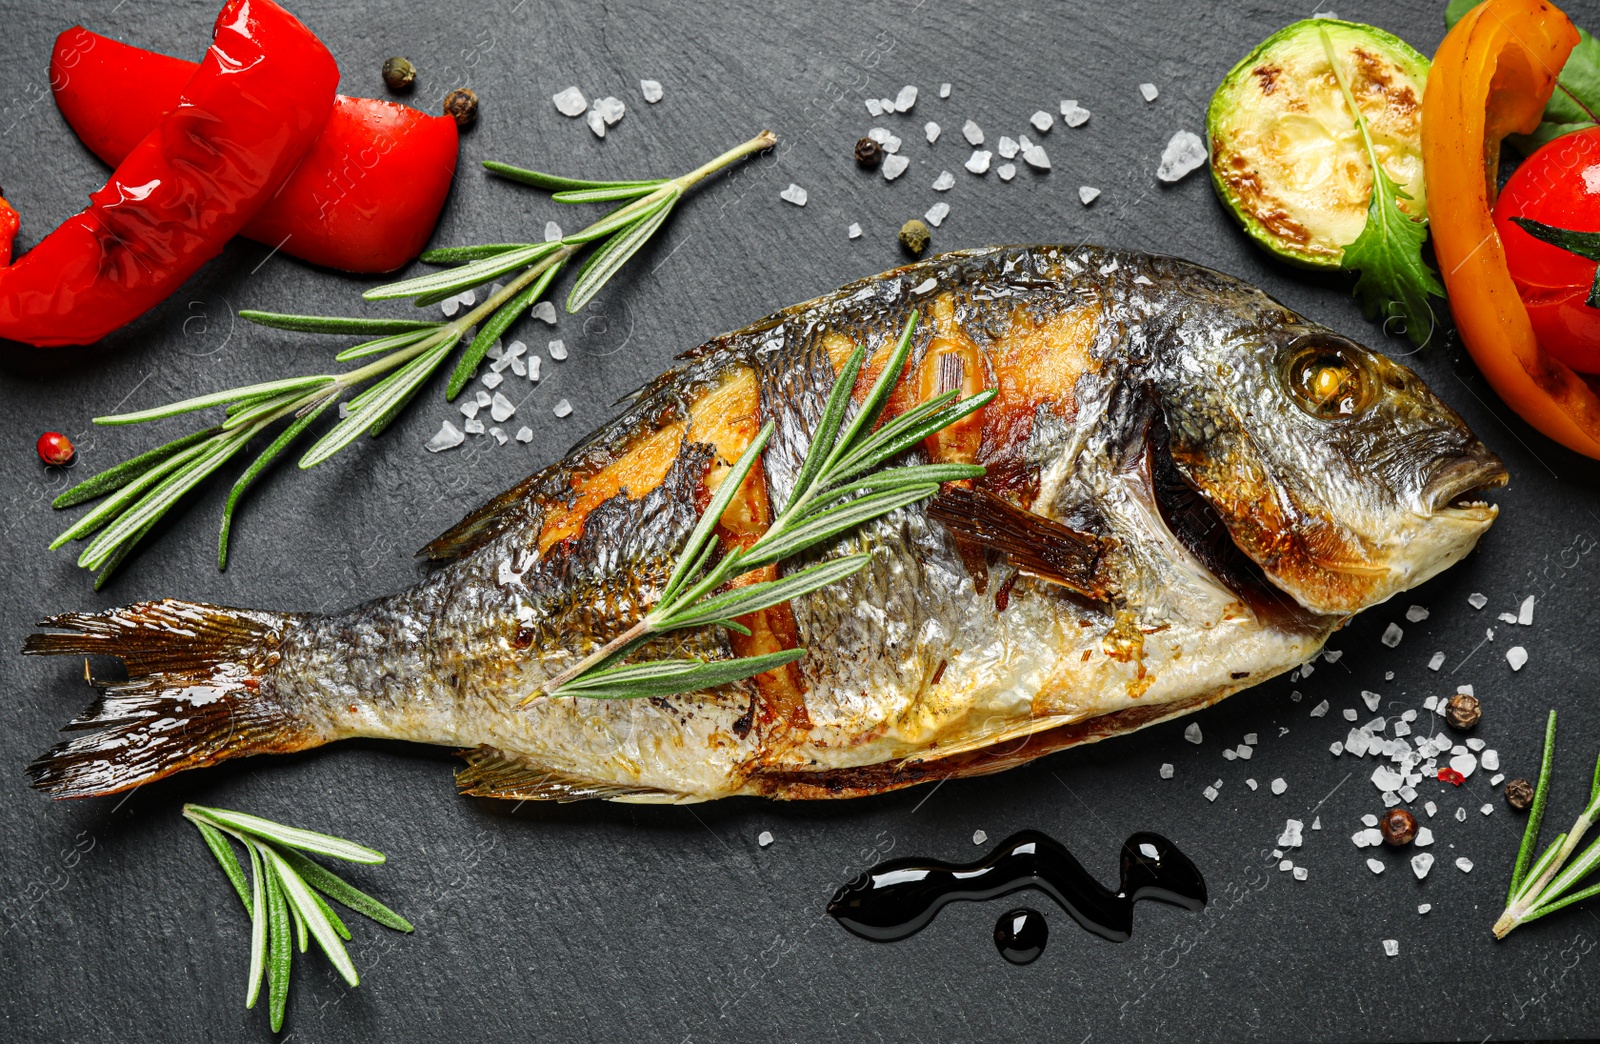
(1146, 419)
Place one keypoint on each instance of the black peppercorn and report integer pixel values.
(461, 105)
(868, 154)
(1398, 827)
(914, 237)
(1462, 711)
(1519, 794)
(399, 74)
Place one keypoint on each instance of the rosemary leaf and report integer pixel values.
(877, 397)
(825, 525)
(258, 927)
(609, 259)
(1575, 871)
(293, 837)
(123, 549)
(322, 904)
(386, 344)
(332, 324)
(666, 677)
(556, 183)
(201, 402)
(279, 949)
(107, 509)
(392, 393)
(490, 332)
(464, 277)
(827, 430)
(895, 478)
(1530, 834)
(1540, 865)
(603, 195)
(1552, 907)
(700, 539)
(624, 217)
(336, 888)
(753, 597)
(251, 473)
(451, 255)
(906, 431)
(226, 858)
(296, 892)
(301, 940)
(118, 476)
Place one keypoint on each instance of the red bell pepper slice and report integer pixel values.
(365, 198)
(257, 102)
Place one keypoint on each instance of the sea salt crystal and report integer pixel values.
(1475, 744)
(1192, 733)
(1465, 690)
(1359, 839)
(448, 437)
(562, 409)
(1332, 655)
(1371, 699)
(1465, 764)
(886, 104)
(1301, 873)
(1464, 865)
(874, 107)
(1279, 786)
(1436, 661)
(1166, 770)
(764, 838)
(944, 182)
(597, 123)
(1042, 121)
(1210, 793)
(570, 102)
(610, 109)
(1509, 618)
(519, 367)
(558, 350)
(1306, 670)
(495, 351)
(979, 163)
(1230, 754)
(1295, 696)
(1286, 864)
(534, 362)
(651, 89)
(1391, 947)
(1409, 715)
(1007, 171)
(979, 837)
(1291, 836)
(794, 194)
(498, 436)
(1402, 729)
(545, 311)
(1461, 815)
(470, 408)
(1433, 809)
(972, 132)
(1487, 809)
(1375, 866)
(905, 99)
(492, 380)
(1525, 612)
(1035, 157)
(1408, 793)
(499, 364)
(1008, 147)
(1417, 614)
(944, 90)
(482, 398)
(1490, 760)
(1350, 714)
(1392, 635)
(891, 144)
(1386, 778)
(1516, 656)
(1252, 738)
(1388, 676)
(1320, 709)
(1088, 194)
(450, 306)
(855, 230)
(501, 408)
(1244, 751)
(473, 426)
(517, 348)
(931, 129)
(1336, 748)
(1251, 784)
(1316, 824)
(468, 297)
(1477, 601)
(1369, 820)
(894, 166)
(937, 213)
(524, 434)
(1423, 908)
(1424, 837)
(1149, 91)
(1073, 114)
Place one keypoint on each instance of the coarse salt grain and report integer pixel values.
(1350, 714)
(1230, 755)
(1252, 738)
(1251, 784)
(651, 89)
(1007, 171)
(473, 426)
(562, 409)
(450, 305)
(470, 408)
(1461, 815)
(979, 837)
(874, 107)
(1370, 698)
(501, 408)
(979, 162)
(1073, 114)
(1391, 947)
(972, 132)
(448, 437)
(552, 232)
(1525, 612)
(1369, 820)
(1042, 121)
(1464, 865)
(482, 398)
(1007, 147)
(1149, 91)
(570, 102)
(1192, 733)
(534, 362)
(1477, 601)
(1184, 154)
(1279, 786)
(1475, 744)
(1490, 760)
(1516, 656)
(1244, 751)
(1291, 836)
(545, 312)
(1487, 809)
(931, 129)
(1166, 770)
(764, 838)
(1286, 864)
(1392, 635)
(597, 123)
(558, 350)
(937, 213)
(905, 99)
(1417, 614)
(944, 182)
(1336, 748)
(1497, 779)
(1424, 837)
(1035, 157)
(498, 436)
(894, 166)
(794, 194)
(944, 90)
(1088, 194)
(1301, 873)
(855, 230)
(1320, 709)
(1423, 908)
(1375, 866)
(1436, 661)
(1210, 793)
(492, 380)
(524, 434)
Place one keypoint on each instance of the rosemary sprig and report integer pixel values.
(285, 884)
(397, 357)
(1548, 884)
(837, 489)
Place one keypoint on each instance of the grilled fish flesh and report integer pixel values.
(1188, 488)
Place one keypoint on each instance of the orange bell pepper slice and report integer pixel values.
(1491, 77)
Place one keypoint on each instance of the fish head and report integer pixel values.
(1334, 468)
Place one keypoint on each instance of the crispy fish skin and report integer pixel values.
(1144, 406)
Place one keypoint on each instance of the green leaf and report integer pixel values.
(556, 183)
(251, 473)
(1540, 865)
(294, 837)
(825, 525)
(1576, 99)
(603, 195)
(1553, 906)
(1455, 9)
(386, 344)
(322, 904)
(221, 398)
(331, 324)
(464, 277)
(609, 259)
(258, 927)
(122, 552)
(296, 892)
(113, 506)
(907, 430)
(452, 255)
(694, 549)
(498, 323)
(668, 677)
(226, 858)
(391, 393)
(336, 888)
(877, 398)
(1530, 833)
(827, 430)
(1574, 872)
(1585, 244)
(894, 478)
(301, 940)
(749, 599)
(626, 216)
(279, 949)
(120, 475)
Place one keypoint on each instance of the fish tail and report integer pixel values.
(198, 692)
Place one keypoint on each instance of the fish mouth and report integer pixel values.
(1456, 492)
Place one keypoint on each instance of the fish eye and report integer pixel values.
(1329, 381)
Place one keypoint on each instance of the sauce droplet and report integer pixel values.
(1020, 935)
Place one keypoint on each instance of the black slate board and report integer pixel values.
(601, 922)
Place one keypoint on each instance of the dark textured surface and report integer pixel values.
(598, 922)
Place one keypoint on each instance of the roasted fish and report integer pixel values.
(1188, 488)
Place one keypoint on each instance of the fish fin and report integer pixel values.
(495, 773)
(478, 528)
(193, 695)
(989, 739)
(1036, 545)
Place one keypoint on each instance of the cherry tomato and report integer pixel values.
(55, 448)
(1558, 185)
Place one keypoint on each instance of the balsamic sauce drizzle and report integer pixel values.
(897, 899)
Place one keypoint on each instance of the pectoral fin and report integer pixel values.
(1036, 545)
(492, 772)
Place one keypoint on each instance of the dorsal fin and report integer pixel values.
(481, 526)
(1036, 545)
(492, 772)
